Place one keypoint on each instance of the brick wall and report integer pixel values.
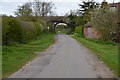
(95, 34)
(90, 32)
(85, 32)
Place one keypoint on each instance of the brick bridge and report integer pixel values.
(54, 20)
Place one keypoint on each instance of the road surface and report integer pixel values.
(66, 59)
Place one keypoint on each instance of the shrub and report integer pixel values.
(5, 25)
(78, 29)
(105, 21)
(38, 30)
(12, 31)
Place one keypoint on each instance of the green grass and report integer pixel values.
(17, 55)
(107, 52)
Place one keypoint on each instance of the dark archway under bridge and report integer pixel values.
(54, 20)
(57, 22)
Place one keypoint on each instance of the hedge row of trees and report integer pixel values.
(29, 22)
(14, 30)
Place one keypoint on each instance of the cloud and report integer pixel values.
(42, 0)
(62, 6)
(14, 0)
(65, 1)
(9, 10)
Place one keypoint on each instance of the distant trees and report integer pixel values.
(75, 19)
(104, 4)
(72, 23)
(82, 16)
(35, 9)
(24, 12)
(78, 18)
(42, 8)
(86, 8)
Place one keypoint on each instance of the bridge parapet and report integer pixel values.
(56, 18)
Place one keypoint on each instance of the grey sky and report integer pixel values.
(62, 6)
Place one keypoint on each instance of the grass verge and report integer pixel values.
(17, 55)
(107, 52)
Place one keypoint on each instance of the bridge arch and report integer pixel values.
(54, 20)
(56, 23)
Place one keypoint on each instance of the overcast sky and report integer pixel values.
(62, 6)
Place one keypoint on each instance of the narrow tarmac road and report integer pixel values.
(67, 59)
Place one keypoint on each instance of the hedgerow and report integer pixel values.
(14, 30)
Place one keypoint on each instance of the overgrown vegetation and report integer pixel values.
(25, 34)
(24, 12)
(103, 19)
(86, 7)
(82, 16)
(105, 22)
(107, 51)
(12, 31)
(19, 31)
(78, 29)
(17, 55)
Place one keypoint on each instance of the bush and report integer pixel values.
(78, 29)
(105, 22)
(38, 30)
(28, 30)
(5, 25)
(44, 24)
(12, 31)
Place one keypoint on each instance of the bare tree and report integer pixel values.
(48, 8)
(42, 8)
(37, 8)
